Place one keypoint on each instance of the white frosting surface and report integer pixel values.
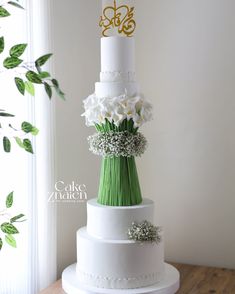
(117, 68)
(118, 264)
(115, 89)
(117, 54)
(113, 222)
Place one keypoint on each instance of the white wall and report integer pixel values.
(186, 66)
(76, 50)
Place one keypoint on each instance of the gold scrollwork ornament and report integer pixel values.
(121, 17)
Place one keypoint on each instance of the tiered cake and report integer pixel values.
(107, 259)
(120, 250)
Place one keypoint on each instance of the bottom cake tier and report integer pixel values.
(118, 264)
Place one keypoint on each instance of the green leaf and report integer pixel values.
(28, 145)
(3, 12)
(34, 131)
(19, 142)
(9, 228)
(20, 85)
(6, 144)
(33, 77)
(60, 93)
(29, 87)
(17, 50)
(57, 88)
(2, 44)
(55, 83)
(15, 218)
(1, 244)
(15, 4)
(48, 89)
(11, 62)
(10, 240)
(44, 74)
(6, 114)
(42, 60)
(9, 200)
(26, 127)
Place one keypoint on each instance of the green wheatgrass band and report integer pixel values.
(119, 183)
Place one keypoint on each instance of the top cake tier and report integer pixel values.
(117, 59)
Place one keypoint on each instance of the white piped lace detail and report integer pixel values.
(119, 283)
(117, 76)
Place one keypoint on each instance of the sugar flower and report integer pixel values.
(117, 109)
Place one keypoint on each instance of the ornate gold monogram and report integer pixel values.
(121, 17)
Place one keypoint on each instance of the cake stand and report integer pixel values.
(169, 285)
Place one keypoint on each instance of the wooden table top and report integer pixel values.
(193, 280)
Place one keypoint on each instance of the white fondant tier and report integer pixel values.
(113, 222)
(114, 89)
(118, 264)
(117, 54)
(168, 285)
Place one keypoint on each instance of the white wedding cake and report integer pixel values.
(120, 250)
(105, 256)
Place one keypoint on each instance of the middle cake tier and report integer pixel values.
(113, 222)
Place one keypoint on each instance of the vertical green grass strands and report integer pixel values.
(124, 126)
(119, 184)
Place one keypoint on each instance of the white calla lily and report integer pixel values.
(117, 109)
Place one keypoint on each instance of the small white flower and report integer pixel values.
(110, 144)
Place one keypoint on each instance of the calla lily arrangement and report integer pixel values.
(117, 109)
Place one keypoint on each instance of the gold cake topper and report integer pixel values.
(120, 17)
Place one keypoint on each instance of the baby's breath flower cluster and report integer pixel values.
(144, 232)
(110, 144)
(117, 109)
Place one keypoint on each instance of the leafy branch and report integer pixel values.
(26, 76)
(8, 226)
(19, 135)
(33, 75)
